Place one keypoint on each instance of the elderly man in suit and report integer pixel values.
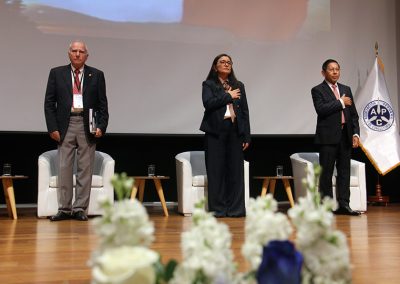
(72, 91)
(336, 134)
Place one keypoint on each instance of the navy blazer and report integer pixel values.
(58, 100)
(215, 100)
(329, 119)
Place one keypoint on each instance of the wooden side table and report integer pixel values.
(8, 188)
(140, 182)
(271, 182)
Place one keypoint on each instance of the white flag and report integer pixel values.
(379, 135)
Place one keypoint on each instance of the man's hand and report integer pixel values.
(245, 146)
(55, 135)
(356, 141)
(98, 133)
(346, 100)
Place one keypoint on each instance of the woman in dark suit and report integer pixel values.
(227, 134)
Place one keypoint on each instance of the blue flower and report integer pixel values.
(281, 263)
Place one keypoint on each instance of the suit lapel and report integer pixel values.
(328, 90)
(87, 78)
(67, 78)
(340, 88)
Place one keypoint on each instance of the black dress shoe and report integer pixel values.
(346, 210)
(236, 215)
(219, 215)
(80, 216)
(60, 216)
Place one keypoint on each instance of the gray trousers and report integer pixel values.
(75, 145)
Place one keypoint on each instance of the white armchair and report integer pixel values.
(302, 166)
(48, 183)
(191, 179)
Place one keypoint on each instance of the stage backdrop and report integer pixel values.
(156, 53)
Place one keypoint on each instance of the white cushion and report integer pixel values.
(199, 181)
(302, 166)
(103, 171)
(97, 181)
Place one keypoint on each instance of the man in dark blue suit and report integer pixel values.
(336, 134)
(72, 91)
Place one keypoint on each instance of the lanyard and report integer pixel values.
(78, 86)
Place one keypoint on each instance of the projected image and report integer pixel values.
(147, 11)
(155, 54)
(260, 20)
(255, 20)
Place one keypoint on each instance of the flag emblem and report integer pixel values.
(379, 135)
(378, 115)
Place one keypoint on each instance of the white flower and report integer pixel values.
(206, 252)
(125, 233)
(328, 261)
(125, 223)
(102, 200)
(310, 221)
(263, 225)
(325, 251)
(125, 265)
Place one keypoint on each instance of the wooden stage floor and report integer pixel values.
(36, 250)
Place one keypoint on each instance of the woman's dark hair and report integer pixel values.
(213, 75)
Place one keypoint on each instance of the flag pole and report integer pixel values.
(378, 198)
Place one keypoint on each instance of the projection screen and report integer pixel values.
(156, 53)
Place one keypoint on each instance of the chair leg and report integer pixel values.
(264, 189)
(272, 187)
(160, 192)
(286, 183)
(141, 189)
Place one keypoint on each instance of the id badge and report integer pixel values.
(78, 101)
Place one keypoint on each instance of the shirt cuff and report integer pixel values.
(341, 101)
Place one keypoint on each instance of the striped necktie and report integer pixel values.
(77, 82)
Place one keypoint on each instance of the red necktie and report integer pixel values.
(77, 82)
(335, 91)
(231, 110)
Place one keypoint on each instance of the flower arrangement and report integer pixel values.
(263, 224)
(125, 234)
(126, 222)
(318, 254)
(325, 251)
(125, 264)
(207, 257)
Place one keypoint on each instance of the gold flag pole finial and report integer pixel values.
(380, 63)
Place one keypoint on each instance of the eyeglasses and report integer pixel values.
(223, 62)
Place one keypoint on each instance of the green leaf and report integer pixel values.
(122, 185)
(165, 273)
(170, 269)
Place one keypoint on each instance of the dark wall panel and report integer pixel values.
(134, 152)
